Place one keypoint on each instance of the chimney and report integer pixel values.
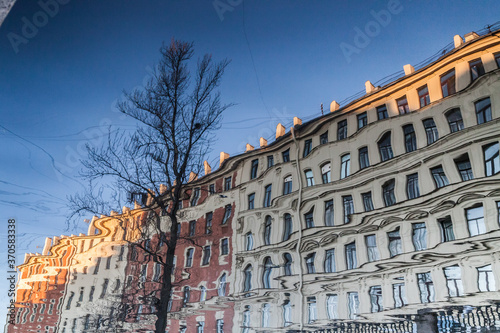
(470, 36)
(408, 69)
(223, 157)
(46, 248)
(369, 87)
(163, 188)
(207, 167)
(249, 147)
(334, 106)
(192, 177)
(280, 130)
(297, 121)
(457, 39)
(263, 142)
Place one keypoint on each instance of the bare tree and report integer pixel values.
(177, 114)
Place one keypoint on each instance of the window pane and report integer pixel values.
(267, 195)
(329, 213)
(423, 96)
(308, 217)
(412, 189)
(384, 146)
(364, 161)
(270, 161)
(476, 68)
(254, 169)
(448, 83)
(307, 147)
(410, 138)
(491, 159)
(326, 173)
(348, 208)
(399, 294)
(342, 130)
(288, 227)
(332, 306)
(426, 287)
(453, 281)
(267, 230)
(371, 248)
(430, 130)
(382, 112)
(323, 138)
(287, 185)
(440, 179)
(345, 167)
(395, 246)
(403, 105)
(419, 236)
(388, 193)
(286, 155)
(483, 110)
(475, 220)
(455, 120)
(309, 178)
(311, 309)
(350, 254)
(310, 263)
(362, 120)
(376, 298)
(353, 305)
(446, 229)
(330, 261)
(486, 279)
(464, 167)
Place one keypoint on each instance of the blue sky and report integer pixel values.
(59, 83)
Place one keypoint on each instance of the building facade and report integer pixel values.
(382, 214)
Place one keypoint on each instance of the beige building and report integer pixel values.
(383, 207)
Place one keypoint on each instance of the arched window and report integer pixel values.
(249, 241)
(267, 231)
(187, 293)
(267, 196)
(384, 147)
(266, 275)
(288, 227)
(345, 166)
(247, 284)
(326, 176)
(455, 120)
(287, 185)
(287, 266)
(222, 285)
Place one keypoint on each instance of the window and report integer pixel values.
(267, 230)
(211, 188)
(498, 211)
(426, 287)
(362, 120)
(307, 147)
(309, 177)
(200, 327)
(430, 130)
(455, 120)
(367, 201)
(323, 138)
(382, 112)
(345, 166)
(227, 183)
(286, 155)
(254, 169)
(485, 278)
(196, 196)
(310, 263)
(453, 281)
(364, 161)
(332, 306)
(353, 305)
(287, 185)
(220, 325)
(388, 193)
(439, 176)
(475, 220)
(266, 309)
(157, 272)
(70, 299)
(384, 147)
(412, 190)
(342, 130)
(208, 223)
(227, 213)
(206, 255)
(311, 309)
(249, 241)
(330, 261)
(419, 236)
(350, 255)
(371, 248)
(251, 201)
(187, 294)
(329, 217)
(376, 298)
(348, 208)
(491, 159)
(423, 96)
(309, 218)
(399, 294)
(270, 161)
(247, 285)
(448, 83)
(497, 58)
(464, 167)
(476, 68)
(266, 275)
(288, 227)
(403, 105)
(395, 246)
(287, 267)
(224, 246)
(287, 313)
(192, 228)
(326, 176)
(446, 229)
(483, 110)
(410, 138)
(203, 294)
(267, 195)
(246, 319)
